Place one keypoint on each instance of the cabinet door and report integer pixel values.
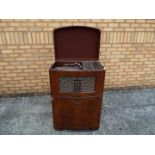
(77, 113)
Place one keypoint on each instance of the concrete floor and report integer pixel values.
(124, 112)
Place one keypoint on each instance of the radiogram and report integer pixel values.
(76, 78)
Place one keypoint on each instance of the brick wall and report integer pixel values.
(26, 53)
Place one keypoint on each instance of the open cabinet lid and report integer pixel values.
(76, 43)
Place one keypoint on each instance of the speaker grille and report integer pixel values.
(77, 84)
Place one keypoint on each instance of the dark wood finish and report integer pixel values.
(55, 75)
(77, 113)
(76, 110)
(76, 43)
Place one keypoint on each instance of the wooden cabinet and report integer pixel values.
(76, 78)
(77, 113)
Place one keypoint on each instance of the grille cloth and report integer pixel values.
(77, 84)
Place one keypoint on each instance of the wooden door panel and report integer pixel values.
(77, 113)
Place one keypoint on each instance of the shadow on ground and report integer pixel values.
(124, 112)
